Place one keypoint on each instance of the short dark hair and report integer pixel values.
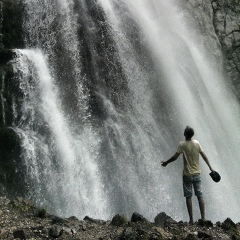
(188, 132)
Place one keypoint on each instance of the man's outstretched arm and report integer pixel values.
(173, 158)
(206, 160)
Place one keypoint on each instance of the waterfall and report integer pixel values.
(60, 165)
(107, 90)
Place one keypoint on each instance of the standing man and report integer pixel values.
(191, 172)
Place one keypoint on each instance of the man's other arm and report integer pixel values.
(173, 158)
(206, 160)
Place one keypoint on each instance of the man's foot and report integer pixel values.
(190, 222)
(206, 223)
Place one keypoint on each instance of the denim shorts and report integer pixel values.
(192, 181)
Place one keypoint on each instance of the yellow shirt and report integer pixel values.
(190, 150)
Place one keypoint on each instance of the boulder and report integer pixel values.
(20, 234)
(203, 235)
(205, 223)
(58, 220)
(73, 218)
(136, 217)
(228, 224)
(163, 220)
(55, 231)
(97, 221)
(119, 220)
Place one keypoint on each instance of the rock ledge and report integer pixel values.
(20, 219)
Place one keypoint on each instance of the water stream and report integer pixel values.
(107, 90)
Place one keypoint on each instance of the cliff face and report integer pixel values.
(226, 21)
(218, 21)
(202, 20)
(11, 178)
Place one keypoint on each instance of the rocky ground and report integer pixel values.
(20, 219)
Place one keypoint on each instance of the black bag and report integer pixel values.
(215, 176)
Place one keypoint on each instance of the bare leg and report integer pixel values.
(202, 207)
(189, 208)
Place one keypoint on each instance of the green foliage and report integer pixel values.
(25, 206)
(21, 206)
(42, 213)
(235, 233)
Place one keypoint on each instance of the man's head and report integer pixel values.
(188, 132)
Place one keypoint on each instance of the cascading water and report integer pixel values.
(52, 155)
(107, 90)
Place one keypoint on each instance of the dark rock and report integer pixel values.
(6, 55)
(119, 220)
(155, 237)
(235, 237)
(68, 231)
(190, 236)
(163, 220)
(129, 234)
(205, 223)
(41, 213)
(20, 234)
(228, 224)
(58, 220)
(218, 224)
(97, 221)
(203, 235)
(175, 238)
(136, 217)
(73, 218)
(12, 32)
(55, 231)
(11, 173)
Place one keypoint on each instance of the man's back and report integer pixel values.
(190, 150)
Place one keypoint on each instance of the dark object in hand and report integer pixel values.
(215, 176)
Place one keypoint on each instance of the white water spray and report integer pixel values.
(200, 96)
(114, 166)
(68, 173)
